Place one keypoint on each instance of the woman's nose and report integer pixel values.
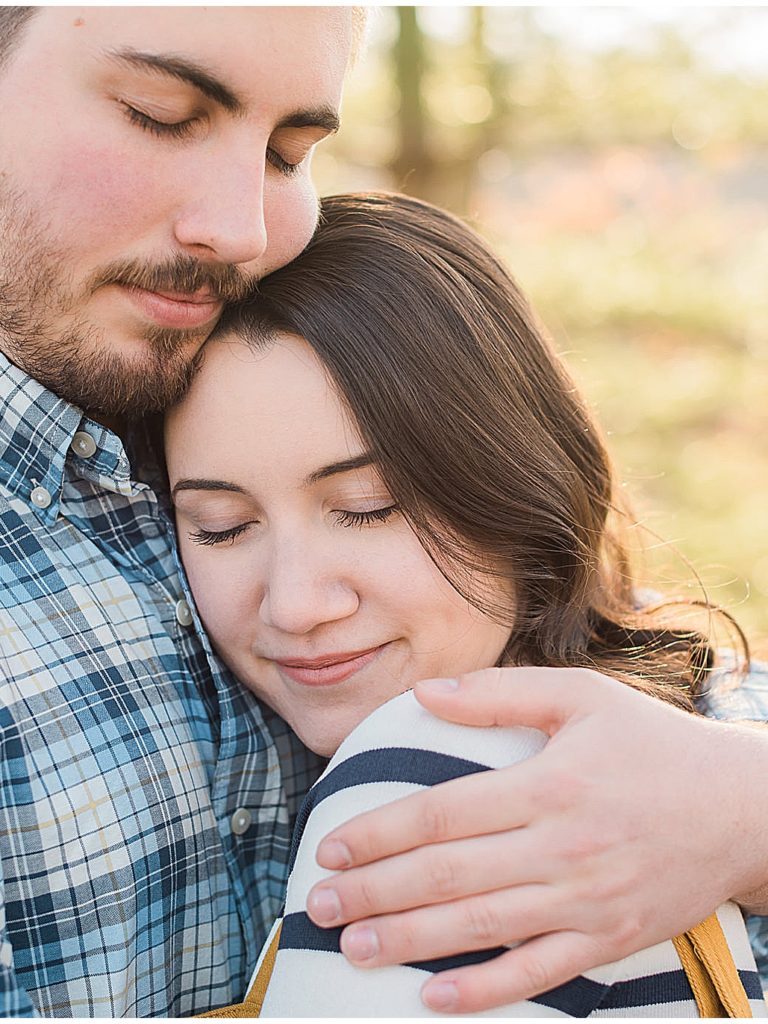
(303, 590)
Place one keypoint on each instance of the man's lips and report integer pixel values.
(176, 309)
(328, 668)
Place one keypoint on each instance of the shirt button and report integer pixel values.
(183, 613)
(83, 445)
(240, 821)
(40, 497)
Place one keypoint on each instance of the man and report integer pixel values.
(154, 163)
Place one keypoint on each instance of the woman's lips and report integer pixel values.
(327, 670)
(176, 309)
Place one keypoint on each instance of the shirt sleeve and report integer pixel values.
(734, 698)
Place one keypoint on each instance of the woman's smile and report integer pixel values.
(327, 669)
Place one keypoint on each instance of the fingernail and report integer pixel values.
(359, 943)
(324, 906)
(334, 854)
(440, 685)
(440, 995)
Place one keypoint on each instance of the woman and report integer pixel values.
(383, 473)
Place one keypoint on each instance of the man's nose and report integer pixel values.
(225, 221)
(304, 589)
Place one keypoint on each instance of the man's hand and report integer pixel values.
(632, 825)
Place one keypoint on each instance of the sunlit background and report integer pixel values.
(617, 158)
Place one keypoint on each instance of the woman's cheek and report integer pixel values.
(213, 597)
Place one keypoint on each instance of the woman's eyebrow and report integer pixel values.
(345, 466)
(206, 485)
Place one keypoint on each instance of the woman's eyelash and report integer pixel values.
(375, 515)
(211, 537)
(176, 129)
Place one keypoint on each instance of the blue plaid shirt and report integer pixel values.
(147, 798)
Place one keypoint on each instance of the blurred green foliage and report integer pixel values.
(620, 167)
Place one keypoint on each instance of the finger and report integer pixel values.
(532, 968)
(428, 875)
(542, 698)
(491, 801)
(475, 923)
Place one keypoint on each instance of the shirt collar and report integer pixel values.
(37, 437)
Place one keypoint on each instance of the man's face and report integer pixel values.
(154, 163)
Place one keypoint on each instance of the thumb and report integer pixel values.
(541, 698)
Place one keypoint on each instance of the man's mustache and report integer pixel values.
(181, 274)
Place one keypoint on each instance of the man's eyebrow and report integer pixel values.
(207, 485)
(346, 466)
(204, 81)
(318, 117)
(185, 71)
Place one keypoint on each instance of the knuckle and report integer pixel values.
(534, 975)
(363, 899)
(612, 888)
(628, 934)
(582, 847)
(400, 940)
(441, 876)
(603, 891)
(572, 787)
(482, 923)
(436, 819)
(541, 789)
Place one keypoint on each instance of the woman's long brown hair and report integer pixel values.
(478, 431)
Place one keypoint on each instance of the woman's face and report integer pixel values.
(313, 588)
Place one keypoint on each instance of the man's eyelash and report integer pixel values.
(375, 515)
(181, 129)
(282, 165)
(211, 537)
(174, 130)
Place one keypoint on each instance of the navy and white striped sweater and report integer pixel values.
(400, 749)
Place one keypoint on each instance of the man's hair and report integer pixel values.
(12, 22)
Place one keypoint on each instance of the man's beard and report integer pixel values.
(77, 363)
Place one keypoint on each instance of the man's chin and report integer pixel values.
(109, 387)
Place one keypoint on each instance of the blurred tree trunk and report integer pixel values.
(417, 167)
(413, 164)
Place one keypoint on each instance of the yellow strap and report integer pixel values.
(253, 1002)
(711, 971)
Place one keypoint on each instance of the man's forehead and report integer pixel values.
(243, 44)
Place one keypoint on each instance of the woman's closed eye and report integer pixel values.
(344, 517)
(211, 537)
(369, 517)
